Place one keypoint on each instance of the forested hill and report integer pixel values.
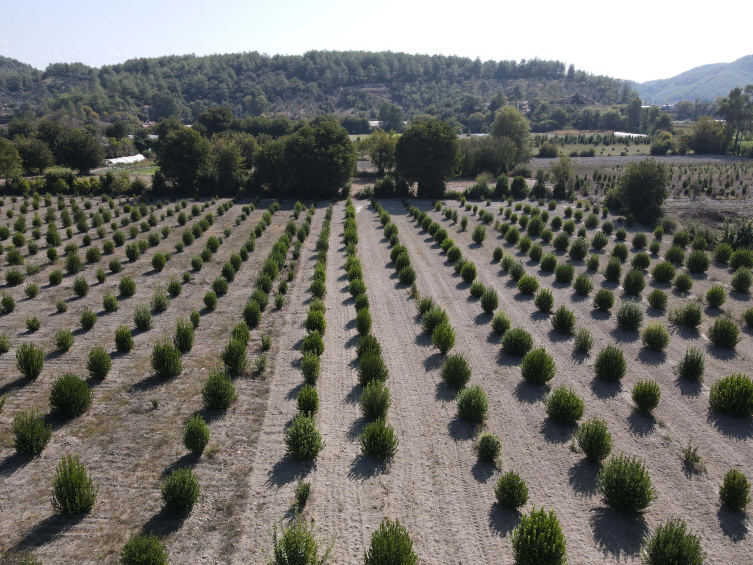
(299, 85)
(701, 83)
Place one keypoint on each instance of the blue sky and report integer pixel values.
(633, 41)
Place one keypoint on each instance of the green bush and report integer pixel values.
(218, 393)
(548, 262)
(363, 322)
(620, 251)
(732, 394)
(675, 255)
(579, 249)
(468, 272)
(629, 316)
(29, 360)
(455, 371)
(315, 321)
(741, 280)
(143, 550)
(180, 491)
(30, 433)
(368, 344)
(69, 396)
(538, 367)
(489, 300)
(734, 490)
(742, 257)
(544, 300)
(303, 439)
(497, 253)
(564, 405)
(663, 272)
(375, 400)
(33, 324)
(604, 299)
(371, 367)
(73, 490)
(689, 316)
(433, 318)
(683, 282)
(307, 400)
(594, 440)
(479, 234)
(657, 299)
(655, 336)
(517, 342)
(716, 296)
(625, 484)
(634, 282)
(583, 285)
(671, 544)
(184, 335)
(500, 323)
(142, 317)
(196, 434)
(613, 270)
(564, 273)
(692, 364)
(563, 320)
(127, 286)
(473, 404)
(722, 252)
(64, 339)
(610, 364)
(488, 447)
(378, 440)
(234, 357)
(31, 290)
(511, 491)
(477, 289)
(640, 240)
(724, 332)
(166, 361)
(583, 341)
(640, 261)
(646, 395)
(390, 544)
(123, 339)
(561, 242)
(310, 368)
(313, 343)
(517, 271)
(698, 261)
(538, 540)
(443, 337)
(56, 277)
(528, 284)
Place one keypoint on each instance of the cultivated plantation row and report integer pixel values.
(439, 380)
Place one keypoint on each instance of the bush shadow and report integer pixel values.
(150, 382)
(364, 467)
(603, 389)
(617, 533)
(13, 385)
(482, 471)
(625, 336)
(49, 529)
(286, 471)
(503, 520)
(163, 523)
(443, 393)
(293, 392)
(688, 387)
(460, 430)
(650, 357)
(529, 393)
(736, 428)
(434, 361)
(354, 394)
(600, 315)
(14, 462)
(555, 432)
(582, 477)
(356, 428)
(721, 353)
(188, 460)
(734, 524)
(641, 423)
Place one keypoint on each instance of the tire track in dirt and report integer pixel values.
(666, 470)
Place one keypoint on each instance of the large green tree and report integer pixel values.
(737, 111)
(380, 147)
(214, 120)
(35, 153)
(391, 117)
(10, 161)
(642, 189)
(80, 150)
(427, 154)
(708, 136)
(510, 123)
(184, 154)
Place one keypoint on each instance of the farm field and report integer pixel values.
(131, 438)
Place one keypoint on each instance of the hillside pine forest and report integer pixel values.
(373, 308)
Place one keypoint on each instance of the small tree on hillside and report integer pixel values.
(641, 190)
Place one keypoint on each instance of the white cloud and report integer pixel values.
(4, 42)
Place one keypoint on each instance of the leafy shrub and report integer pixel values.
(433, 318)
(604, 299)
(722, 252)
(303, 439)
(675, 255)
(564, 273)
(671, 543)
(455, 371)
(29, 360)
(488, 447)
(683, 282)
(698, 261)
(732, 394)
(538, 539)
(579, 249)
(443, 337)
(371, 367)
(196, 434)
(583, 341)
(510, 490)
(218, 393)
(742, 257)
(663, 272)
(64, 339)
(593, 439)
(142, 317)
(184, 335)
(73, 490)
(517, 342)
(143, 550)
(564, 405)
(716, 296)
(375, 400)
(620, 251)
(477, 289)
(489, 300)
(468, 272)
(166, 361)
(629, 316)
(234, 357)
(640, 240)
(646, 395)
(563, 320)
(640, 261)
(310, 368)
(561, 242)
(363, 322)
(33, 324)
(30, 433)
(610, 364)
(308, 400)
(496, 254)
(724, 333)
(734, 490)
(69, 396)
(657, 299)
(517, 271)
(538, 367)
(378, 440)
(479, 234)
(127, 286)
(180, 491)
(528, 284)
(655, 336)
(634, 283)
(548, 262)
(583, 285)
(500, 323)
(625, 484)
(56, 277)
(473, 404)
(688, 316)
(391, 543)
(313, 343)
(544, 300)
(741, 280)
(613, 270)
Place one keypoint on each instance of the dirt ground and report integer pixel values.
(435, 484)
